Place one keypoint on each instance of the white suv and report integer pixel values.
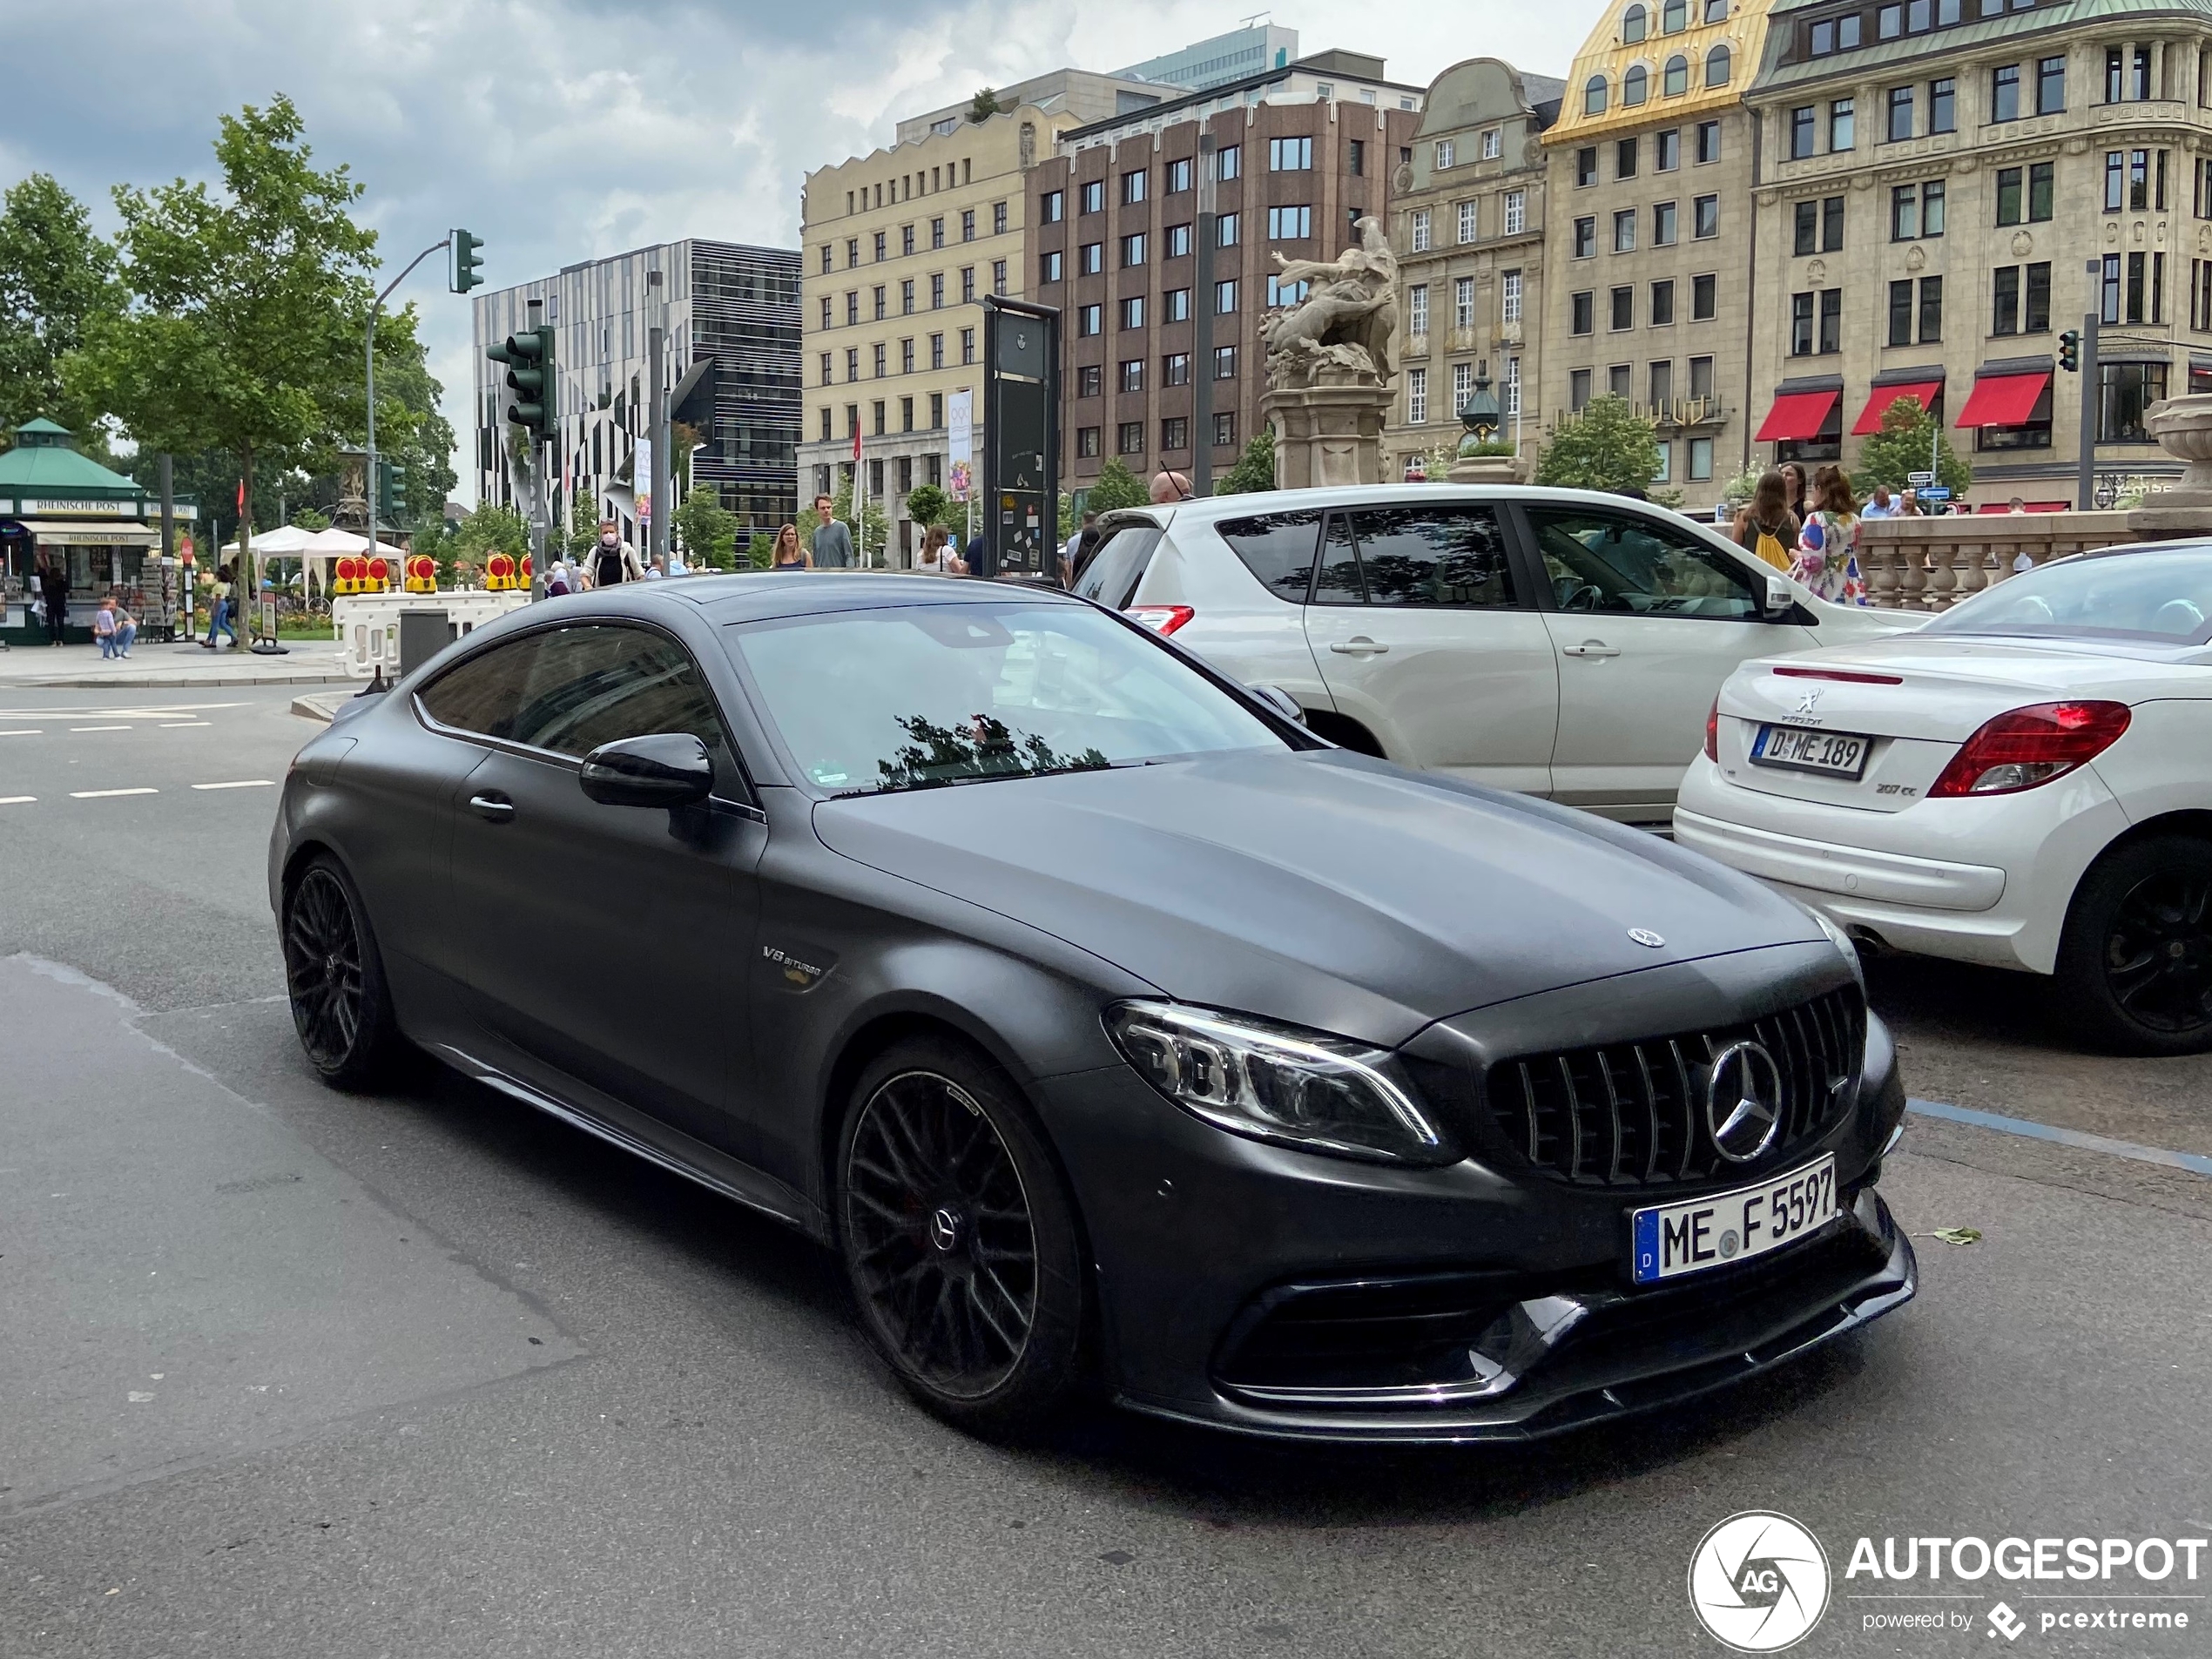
(1558, 642)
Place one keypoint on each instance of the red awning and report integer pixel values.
(1796, 415)
(1878, 402)
(2004, 400)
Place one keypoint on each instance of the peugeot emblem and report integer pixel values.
(1645, 937)
(1808, 702)
(1743, 1101)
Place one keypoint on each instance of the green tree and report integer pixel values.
(57, 277)
(927, 505)
(308, 519)
(985, 105)
(247, 308)
(1255, 468)
(487, 530)
(1607, 447)
(709, 530)
(1909, 434)
(760, 549)
(411, 432)
(1116, 486)
(583, 525)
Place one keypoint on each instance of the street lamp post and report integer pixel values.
(368, 354)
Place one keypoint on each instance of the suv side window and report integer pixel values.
(1277, 549)
(1416, 556)
(1626, 565)
(1117, 565)
(482, 694)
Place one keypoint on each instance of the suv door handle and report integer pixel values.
(1357, 645)
(1590, 647)
(497, 807)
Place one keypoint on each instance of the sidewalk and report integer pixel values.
(305, 662)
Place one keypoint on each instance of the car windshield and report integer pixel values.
(922, 696)
(2163, 597)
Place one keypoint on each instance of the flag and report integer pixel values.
(241, 495)
(856, 443)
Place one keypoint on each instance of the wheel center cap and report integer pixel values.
(2177, 950)
(944, 1228)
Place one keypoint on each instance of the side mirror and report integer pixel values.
(1780, 600)
(1280, 700)
(668, 769)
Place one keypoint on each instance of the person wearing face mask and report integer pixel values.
(614, 560)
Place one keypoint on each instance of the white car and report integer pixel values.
(1557, 642)
(2025, 782)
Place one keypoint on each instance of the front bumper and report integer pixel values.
(1223, 1265)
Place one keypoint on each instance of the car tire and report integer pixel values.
(2135, 960)
(959, 1240)
(333, 977)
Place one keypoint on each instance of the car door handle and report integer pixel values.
(497, 809)
(1357, 645)
(1590, 647)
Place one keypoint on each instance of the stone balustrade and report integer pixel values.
(1931, 563)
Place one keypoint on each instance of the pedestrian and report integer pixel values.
(53, 589)
(789, 555)
(556, 580)
(219, 612)
(1766, 528)
(1879, 504)
(832, 542)
(1908, 504)
(114, 627)
(1827, 556)
(937, 557)
(976, 552)
(1169, 487)
(613, 560)
(1793, 489)
(2016, 505)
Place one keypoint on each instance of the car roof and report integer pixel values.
(748, 596)
(1206, 509)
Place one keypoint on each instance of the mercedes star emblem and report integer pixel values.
(944, 1228)
(1645, 937)
(1743, 1101)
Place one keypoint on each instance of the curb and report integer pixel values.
(146, 682)
(320, 709)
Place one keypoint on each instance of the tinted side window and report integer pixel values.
(484, 693)
(1626, 563)
(1115, 568)
(1434, 556)
(1337, 583)
(593, 684)
(1277, 550)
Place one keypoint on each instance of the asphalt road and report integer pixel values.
(287, 1372)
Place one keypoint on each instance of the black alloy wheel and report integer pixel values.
(334, 977)
(957, 1239)
(2136, 960)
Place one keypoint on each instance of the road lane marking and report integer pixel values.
(175, 726)
(15, 800)
(2195, 1163)
(243, 783)
(99, 728)
(108, 794)
(25, 731)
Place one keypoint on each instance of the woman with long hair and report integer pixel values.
(1827, 556)
(1793, 489)
(938, 559)
(789, 555)
(1766, 528)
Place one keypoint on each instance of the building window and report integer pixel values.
(1586, 166)
(1705, 213)
(1593, 95)
(1132, 250)
(1421, 236)
(881, 354)
(2126, 391)
(1462, 386)
(937, 357)
(1416, 395)
(1176, 302)
(1224, 297)
(882, 247)
(1633, 23)
(1052, 207)
(1467, 222)
(1923, 310)
(1416, 309)
(1131, 376)
(1635, 87)
(1720, 64)
(2004, 93)
(1622, 310)
(1133, 311)
(1815, 322)
(1444, 153)
(1090, 380)
(1356, 158)
(1174, 433)
(906, 297)
(1130, 438)
(1705, 297)
(1509, 296)
(1513, 387)
(1093, 199)
(906, 424)
(968, 284)
(1290, 224)
(1583, 313)
(1842, 124)
(1463, 302)
(1708, 142)
(2024, 194)
(1578, 390)
(1943, 105)
(1624, 158)
(1290, 155)
(1178, 175)
(1666, 150)
(1663, 302)
(1091, 258)
(937, 288)
(1819, 227)
(1132, 188)
(852, 362)
(905, 239)
(825, 312)
(1087, 442)
(1585, 247)
(1493, 144)
(1177, 242)
(1804, 123)
(1900, 114)
(2050, 86)
(1228, 161)
(968, 345)
(1280, 292)
(1516, 212)
(1048, 266)
(1674, 79)
(1224, 362)
(1224, 429)
(905, 357)
(2201, 297)
(1175, 368)
(998, 277)
(1624, 230)
(1224, 228)
(1088, 321)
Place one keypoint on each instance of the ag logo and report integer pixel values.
(1758, 1582)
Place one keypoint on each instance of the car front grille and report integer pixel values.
(1632, 1114)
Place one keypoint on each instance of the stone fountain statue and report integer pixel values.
(1330, 365)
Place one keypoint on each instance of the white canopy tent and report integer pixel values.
(314, 549)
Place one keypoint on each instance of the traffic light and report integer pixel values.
(391, 490)
(2070, 351)
(468, 261)
(528, 357)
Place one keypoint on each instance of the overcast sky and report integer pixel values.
(562, 130)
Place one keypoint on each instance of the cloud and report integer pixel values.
(567, 130)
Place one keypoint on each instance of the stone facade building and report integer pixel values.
(1650, 284)
(898, 247)
(1467, 224)
(1945, 188)
(1303, 151)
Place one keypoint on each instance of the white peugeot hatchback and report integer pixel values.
(2025, 782)
(1557, 642)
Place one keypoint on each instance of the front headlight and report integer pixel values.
(1278, 1083)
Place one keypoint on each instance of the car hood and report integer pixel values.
(1322, 887)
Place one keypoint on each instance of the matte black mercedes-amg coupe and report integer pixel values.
(1108, 1025)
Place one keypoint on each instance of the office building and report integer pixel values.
(1467, 222)
(738, 305)
(1650, 280)
(1948, 186)
(1205, 64)
(1302, 153)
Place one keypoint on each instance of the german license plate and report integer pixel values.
(1843, 753)
(1669, 1240)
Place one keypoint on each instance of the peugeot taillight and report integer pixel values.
(1713, 732)
(1161, 619)
(2025, 748)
